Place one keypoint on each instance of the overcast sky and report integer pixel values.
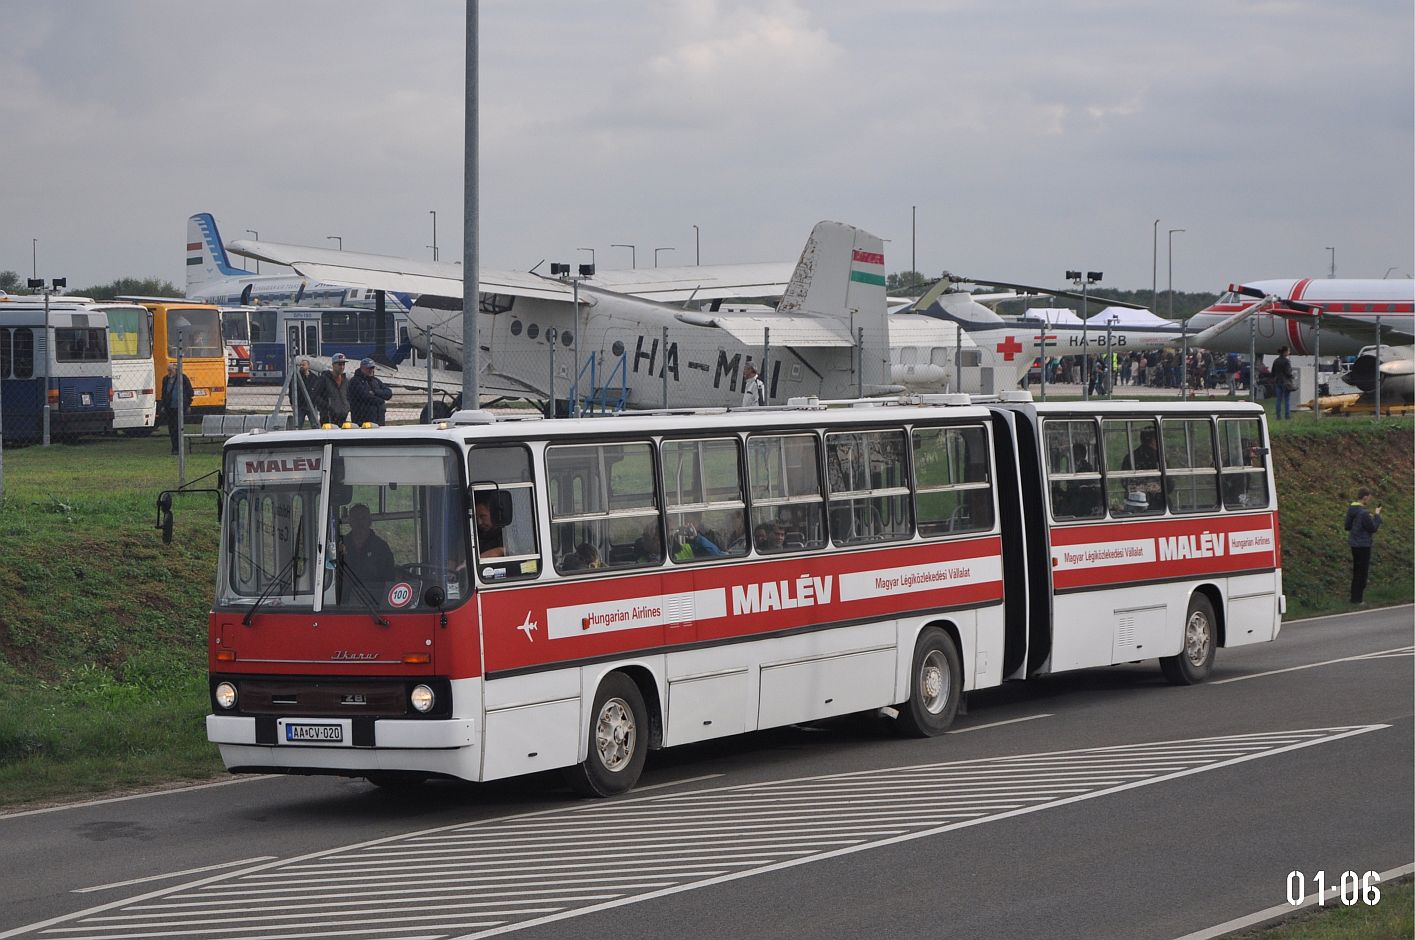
(1033, 136)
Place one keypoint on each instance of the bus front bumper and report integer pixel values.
(372, 733)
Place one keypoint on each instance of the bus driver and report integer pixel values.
(366, 556)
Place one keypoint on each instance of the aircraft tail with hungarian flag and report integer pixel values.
(841, 278)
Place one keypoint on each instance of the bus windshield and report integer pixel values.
(397, 526)
(127, 332)
(198, 331)
(233, 326)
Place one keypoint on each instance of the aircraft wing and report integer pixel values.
(390, 273)
(799, 332)
(444, 278)
(1362, 330)
(698, 282)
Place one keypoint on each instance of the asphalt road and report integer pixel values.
(1098, 804)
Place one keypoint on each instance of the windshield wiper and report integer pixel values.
(362, 592)
(265, 595)
(287, 569)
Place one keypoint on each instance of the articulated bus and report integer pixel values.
(60, 357)
(281, 335)
(487, 597)
(198, 327)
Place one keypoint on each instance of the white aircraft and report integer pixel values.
(1349, 309)
(644, 341)
(212, 279)
(1349, 312)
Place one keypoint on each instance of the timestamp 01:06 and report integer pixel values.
(1352, 888)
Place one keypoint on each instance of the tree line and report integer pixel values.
(12, 283)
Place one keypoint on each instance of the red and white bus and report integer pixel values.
(489, 597)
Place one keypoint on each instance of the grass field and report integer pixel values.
(102, 627)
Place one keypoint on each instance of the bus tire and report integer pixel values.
(619, 740)
(1196, 656)
(935, 686)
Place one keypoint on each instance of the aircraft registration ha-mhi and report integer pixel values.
(659, 338)
(1340, 314)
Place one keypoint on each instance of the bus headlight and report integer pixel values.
(422, 698)
(225, 695)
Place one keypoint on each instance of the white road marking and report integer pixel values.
(996, 724)
(1281, 910)
(484, 878)
(137, 796)
(1327, 662)
(1349, 613)
(677, 783)
(174, 874)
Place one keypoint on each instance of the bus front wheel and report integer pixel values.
(936, 686)
(1196, 656)
(619, 727)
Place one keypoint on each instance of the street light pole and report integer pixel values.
(433, 213)
(697, 247)
(256, 236)
(471, 212)
(1154, 265)
(1332, 249)
(34, 258)
(655, 254)
(633, 263)
(914, 240)
(336, 238)
(1171, 269)
(591, 251)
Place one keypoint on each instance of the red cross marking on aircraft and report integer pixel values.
(1009, 348)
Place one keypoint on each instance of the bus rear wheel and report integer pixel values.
(618, 745)
(935, 686)
(1196, 657)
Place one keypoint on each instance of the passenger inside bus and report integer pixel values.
(648, 548)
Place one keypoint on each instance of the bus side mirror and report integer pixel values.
(164, 517)
(498, 500)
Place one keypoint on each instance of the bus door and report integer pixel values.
(1019, 647)
(23, 387)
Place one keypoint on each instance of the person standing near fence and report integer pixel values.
(1283, 383)
(753, 389)
(174, 386)
(333, 397)
(368, 396)
(1361, 526)
(310, 380)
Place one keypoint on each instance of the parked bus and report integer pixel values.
(490, 597)
(236, 337)
(134, 379)
(280, 335)
(60, 357)
(198, 327)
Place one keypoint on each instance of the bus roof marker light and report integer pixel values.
(1014, 396)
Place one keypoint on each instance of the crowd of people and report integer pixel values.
(1154, 368)
(339, 397)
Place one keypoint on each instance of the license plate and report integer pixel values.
(199, 393)
(126, 394)
(85, 398)
(320, 734)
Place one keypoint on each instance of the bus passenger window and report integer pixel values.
(783, 472)
(504, 512)
(953, 492)
(702, 490)
(869, 487)
(1132, 462)
(1190, 468)
(1073, 470)
(603, 507)
(1245, 473)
